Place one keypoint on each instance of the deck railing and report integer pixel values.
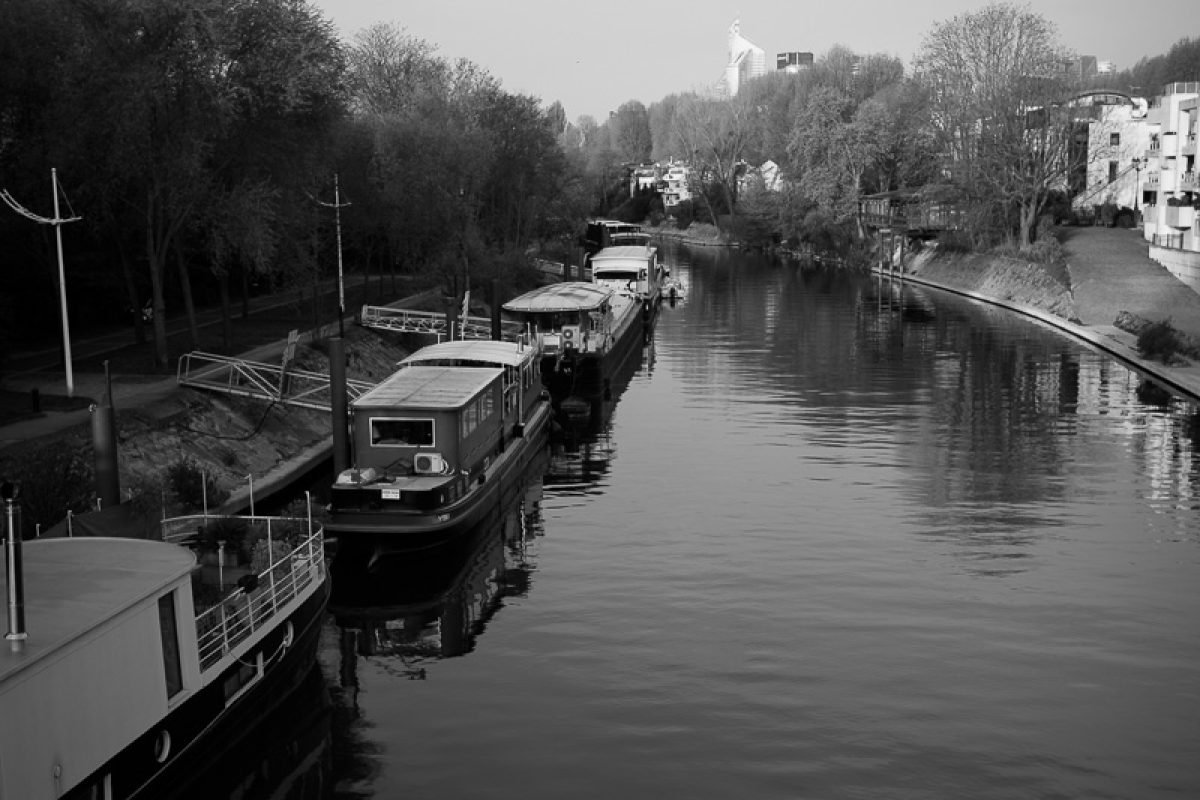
(253, 605)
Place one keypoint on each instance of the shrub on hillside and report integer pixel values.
(192, 487)
(1159, 341)
(685, 213)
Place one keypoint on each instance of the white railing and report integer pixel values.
(263, 381)
(433, 323)
(255, 603)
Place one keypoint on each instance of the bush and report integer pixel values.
(685, 214)
(1159, 341)
(230, 530)
(191, 486)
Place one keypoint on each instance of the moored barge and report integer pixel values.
(433, 444)
(128, 667)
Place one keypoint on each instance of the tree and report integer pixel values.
(997, 100)
(631, 132)
(715, 134)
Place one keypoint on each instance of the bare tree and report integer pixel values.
(715, 133)
(999, 106)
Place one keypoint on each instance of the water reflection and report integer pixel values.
(286, 755)
(583, 448)
(408, 609)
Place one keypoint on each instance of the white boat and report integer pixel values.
(122, 674)
(434, 443)
(620, 256)
(583, 330)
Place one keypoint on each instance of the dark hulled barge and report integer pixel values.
(434, 443)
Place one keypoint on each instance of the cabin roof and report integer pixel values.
(428, 388)
(556, 297)
(509, 354)
(620, 256)
(74, 585)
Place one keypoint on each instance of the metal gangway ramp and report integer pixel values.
(274, 382)
(433, 323)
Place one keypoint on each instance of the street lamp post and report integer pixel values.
(337, 211)
(1138, 163)
(57, 222)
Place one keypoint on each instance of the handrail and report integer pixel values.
(263, 381)
(221, 628)
(433, 323)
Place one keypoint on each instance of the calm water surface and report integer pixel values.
(827, 542)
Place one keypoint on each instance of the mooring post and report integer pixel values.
(104, 446)
(338, 405)
(494, 301)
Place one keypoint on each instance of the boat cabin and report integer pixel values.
(425, 431)
(631, 269)
(565, 317)
(602, 233)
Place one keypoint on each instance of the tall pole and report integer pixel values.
(62, 286)
(337, 211)
(57, 222)
(337, 208)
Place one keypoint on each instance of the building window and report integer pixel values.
(170, 644)
(1114, 139)
(1112, 171)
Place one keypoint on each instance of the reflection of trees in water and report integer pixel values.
(846, 349)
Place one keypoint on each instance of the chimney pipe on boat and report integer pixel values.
(15, 580)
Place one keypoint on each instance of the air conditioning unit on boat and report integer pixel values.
(570, 336)
(429, 464)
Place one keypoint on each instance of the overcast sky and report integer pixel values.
(592, 57)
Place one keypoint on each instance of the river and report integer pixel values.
(829, 541)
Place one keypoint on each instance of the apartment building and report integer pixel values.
(1142, 156)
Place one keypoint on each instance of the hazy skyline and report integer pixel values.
(594, 58)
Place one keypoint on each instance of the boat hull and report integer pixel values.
(587, 374)
(406, 530)
(205, 722)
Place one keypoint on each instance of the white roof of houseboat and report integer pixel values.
(484, 351)
(74, 585)
(556, 297)
(428, 387)
(628, 255)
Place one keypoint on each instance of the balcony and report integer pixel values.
(1189, 145)
(1179, 216)
(1188, 182)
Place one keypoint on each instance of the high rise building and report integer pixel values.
(746, 60)
(793, 62)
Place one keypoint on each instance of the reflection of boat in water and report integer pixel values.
(285, 754)
(131, 668)
(427, 605)
(436, 443)
(582, 449)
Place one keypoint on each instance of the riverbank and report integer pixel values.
(161, 425)
(1111, 289)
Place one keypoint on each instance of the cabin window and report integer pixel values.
(401, 432)
(476, 413)
(170, 644)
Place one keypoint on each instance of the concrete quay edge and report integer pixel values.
(1109, 339)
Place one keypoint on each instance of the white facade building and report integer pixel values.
(746, 60)
(673, 186)
(1169, 184)
(1143, 157)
